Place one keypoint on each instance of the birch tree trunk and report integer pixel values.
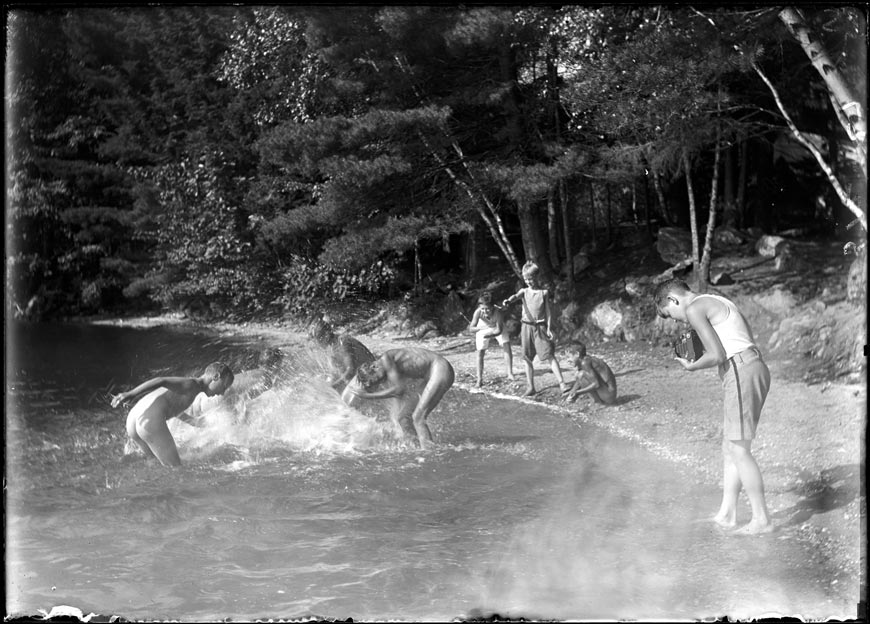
(693, 217)
(704, 272)
(552, 228)
(566, 231)
(850, 110)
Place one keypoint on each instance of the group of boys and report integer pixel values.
(414, 380)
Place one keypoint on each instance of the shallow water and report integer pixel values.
(314, 509)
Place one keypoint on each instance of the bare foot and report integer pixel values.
(755, 528)
(723, 522)
(530, 392)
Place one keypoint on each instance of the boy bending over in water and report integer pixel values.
(400, 369)
(537, 334)
(594, 377)
(168, 397)
(488, 323)
(729, 345)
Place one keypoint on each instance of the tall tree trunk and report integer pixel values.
(847, 103)
(609, 230)
(663, 201)
(706, 259)
(646, 210)
(741, 182)
(566, 231)
(693, 218)
(729, 203)
(552, 228)
(592, 212)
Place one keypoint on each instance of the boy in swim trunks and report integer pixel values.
(167, 397)
(729, 345)
(536, 335)
(404, 371)
(488, 323)
(594, 377)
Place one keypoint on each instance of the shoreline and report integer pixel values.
(810, 446)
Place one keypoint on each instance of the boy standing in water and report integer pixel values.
(168, 397)
(536, 334)
(488, 323)
(403, 370)
(728, 344)
(247, 385)
(346, 353)
(594, 377)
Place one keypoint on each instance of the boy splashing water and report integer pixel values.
(168, 397)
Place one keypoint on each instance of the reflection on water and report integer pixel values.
(311, 508)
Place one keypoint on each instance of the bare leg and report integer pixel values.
(156, 435)
(401, 408)
(439, 382)
(726, 517)
(508, 360)
(554, 366)
(530, 377)
(480, 355)
(750, 476)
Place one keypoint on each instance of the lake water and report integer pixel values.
(314, 509)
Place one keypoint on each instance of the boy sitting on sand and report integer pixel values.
(594, 377)
(168, 397)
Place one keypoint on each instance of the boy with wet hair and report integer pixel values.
(167, 397)
(487, 323)
(730, 346)
(536, 334)
(247, 385)
(346, 353)
(403, 371)
(594, 377)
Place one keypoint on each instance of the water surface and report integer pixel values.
(314, 509)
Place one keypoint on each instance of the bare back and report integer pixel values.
(415, 363)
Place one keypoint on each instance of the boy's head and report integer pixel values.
(484, 304)
(370, 373)
(668, 297)
(579, 349)
(530, 273)
(219, 377)
(321, 332)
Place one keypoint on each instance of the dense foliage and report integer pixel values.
(257, 159)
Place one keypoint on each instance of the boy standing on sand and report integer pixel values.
(728, 344)
(488, 323)
(594, 377)
(536, 335)
(168, 397)
(403, 370)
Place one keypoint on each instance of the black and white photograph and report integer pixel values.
(435, 313)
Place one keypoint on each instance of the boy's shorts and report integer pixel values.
(482, 342)
(746, 381)
(535, 342)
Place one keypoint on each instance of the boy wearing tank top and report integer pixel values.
(730, 346)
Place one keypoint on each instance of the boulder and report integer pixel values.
(674, 244)
(726, 236)
(856, 282)
(568, 317)
(581, 262)
(778, 301)
(607, 316)
(768, 245)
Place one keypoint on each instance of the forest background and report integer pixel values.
(257, 162)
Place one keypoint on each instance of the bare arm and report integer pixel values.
(175, 384)
(472, 325)
(395, 384)
(513, 297)
(714, 352)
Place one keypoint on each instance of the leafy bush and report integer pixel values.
(307, 284)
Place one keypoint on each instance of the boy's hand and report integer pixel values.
(505, 303)
(684, 362)
(117, 399)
